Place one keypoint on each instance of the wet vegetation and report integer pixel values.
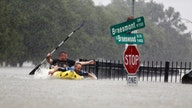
(29, 29)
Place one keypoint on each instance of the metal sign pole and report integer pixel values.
(133, 13)
(132, 79)
(133, 4)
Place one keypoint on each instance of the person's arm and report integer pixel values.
(48, 58)
(92, 76)
(87, 62)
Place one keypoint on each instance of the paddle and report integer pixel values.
(78, 27)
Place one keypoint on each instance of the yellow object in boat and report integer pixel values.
(67, 75)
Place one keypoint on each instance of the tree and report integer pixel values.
(30, 29)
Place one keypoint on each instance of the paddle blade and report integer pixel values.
(79, 26)
(33, 71)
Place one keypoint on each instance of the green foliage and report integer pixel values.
(29, 29)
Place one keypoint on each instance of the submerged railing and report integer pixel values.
(148, 71)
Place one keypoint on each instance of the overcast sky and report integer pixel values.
(182, 6)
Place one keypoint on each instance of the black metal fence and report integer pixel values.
(148, 71)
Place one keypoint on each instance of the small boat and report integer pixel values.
(187, 78)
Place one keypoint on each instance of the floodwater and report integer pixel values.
(19, 90)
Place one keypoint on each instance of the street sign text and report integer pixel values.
(127, 26)
(130, 38)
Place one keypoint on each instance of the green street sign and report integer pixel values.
(127, 26)
(130, 38)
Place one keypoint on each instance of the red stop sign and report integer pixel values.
(131, 59)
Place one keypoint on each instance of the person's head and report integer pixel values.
(77, 67)
(63, 56)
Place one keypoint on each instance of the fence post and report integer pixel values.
(166, 71)
(96, 68)
(110, 70)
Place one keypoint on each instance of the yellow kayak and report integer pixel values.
(67, 75)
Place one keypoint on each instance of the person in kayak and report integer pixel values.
(63, 63)
(78, 70)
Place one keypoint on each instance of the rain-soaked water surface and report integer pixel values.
(19, 90)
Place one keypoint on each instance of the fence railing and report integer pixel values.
(148, 71)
